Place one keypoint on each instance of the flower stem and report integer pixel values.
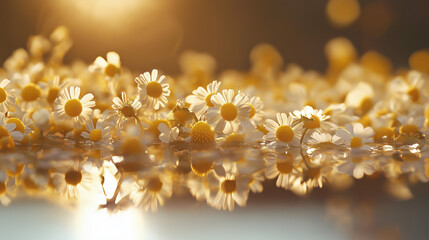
(304, 157)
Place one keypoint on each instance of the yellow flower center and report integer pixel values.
(208, 100)
(4, 132)
(252, 111)
(383, 132)
(154, 185)
(111, 70)
(201, 166)
(73, 177)
(2, 188)
(356, 142)
(73, 107)
(228, 111)
(234, 138)
(3, 95)
(154, 89)
(311, 123)
(228, 186)
(95, 135)
(201, 132)
(128, 111)
(18, 123)
(284, 167)
(285, 133)
(31, 92)
(131, 146)
(414, 94)
(53, 93)
(409, 129)
(357, 160)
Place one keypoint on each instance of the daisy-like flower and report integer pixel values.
(256, 110)
(5, 189)
(111, 68)
(55, 89)
(244, 136)
(284, 131)
(168, 135)
(357, 164)
(68, 105)
(282, 166)
(409, 88)
(29, 92)
(356, 136)
(153, 91)
(324, 141)
(73, 182)
(200, 99)
(312, 118)
(231, 188)
(7, 95)
(151, 191)
(9, 134)
(125, 108)
(98, 134)
(230, 112)
(20, 126)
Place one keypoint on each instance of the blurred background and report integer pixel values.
(153, 33)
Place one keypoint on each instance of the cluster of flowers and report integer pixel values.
(97, 133)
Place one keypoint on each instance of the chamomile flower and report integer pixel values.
(410, 88)
(73, 182)
(98, 134)
(9, 129)
(231, 188)
(324, 141)
(152, 191)
(312, 118)
(256, 110)
(282, 166)
(21, 126)
(68, 105)
(200, 99)
(29, 92)
(284, 131)
(202, 135)
(356, 136)
(230, 112)
(111, 68)
(54, 90)
(7, 95)
(125, 108)
(357, 164)
(153, 92)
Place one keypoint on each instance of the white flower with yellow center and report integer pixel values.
(284, 131)
(7, 95)
(9, 128)
(282, 166)
(151, 191)
(54, 90)
(68, 105)
(231, 188)
(411, 125)
(230, 112)
(313, 118)
(324, 141)
(20, 126)
(125, 108)
(410, 88)
(200, 99)
(357, 164)
(153, 91)
(73, 182)
(256, 110)
(356, 136)
(111, 68)
(98, 134)
(29, 92)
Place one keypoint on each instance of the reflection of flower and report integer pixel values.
(357, 164)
